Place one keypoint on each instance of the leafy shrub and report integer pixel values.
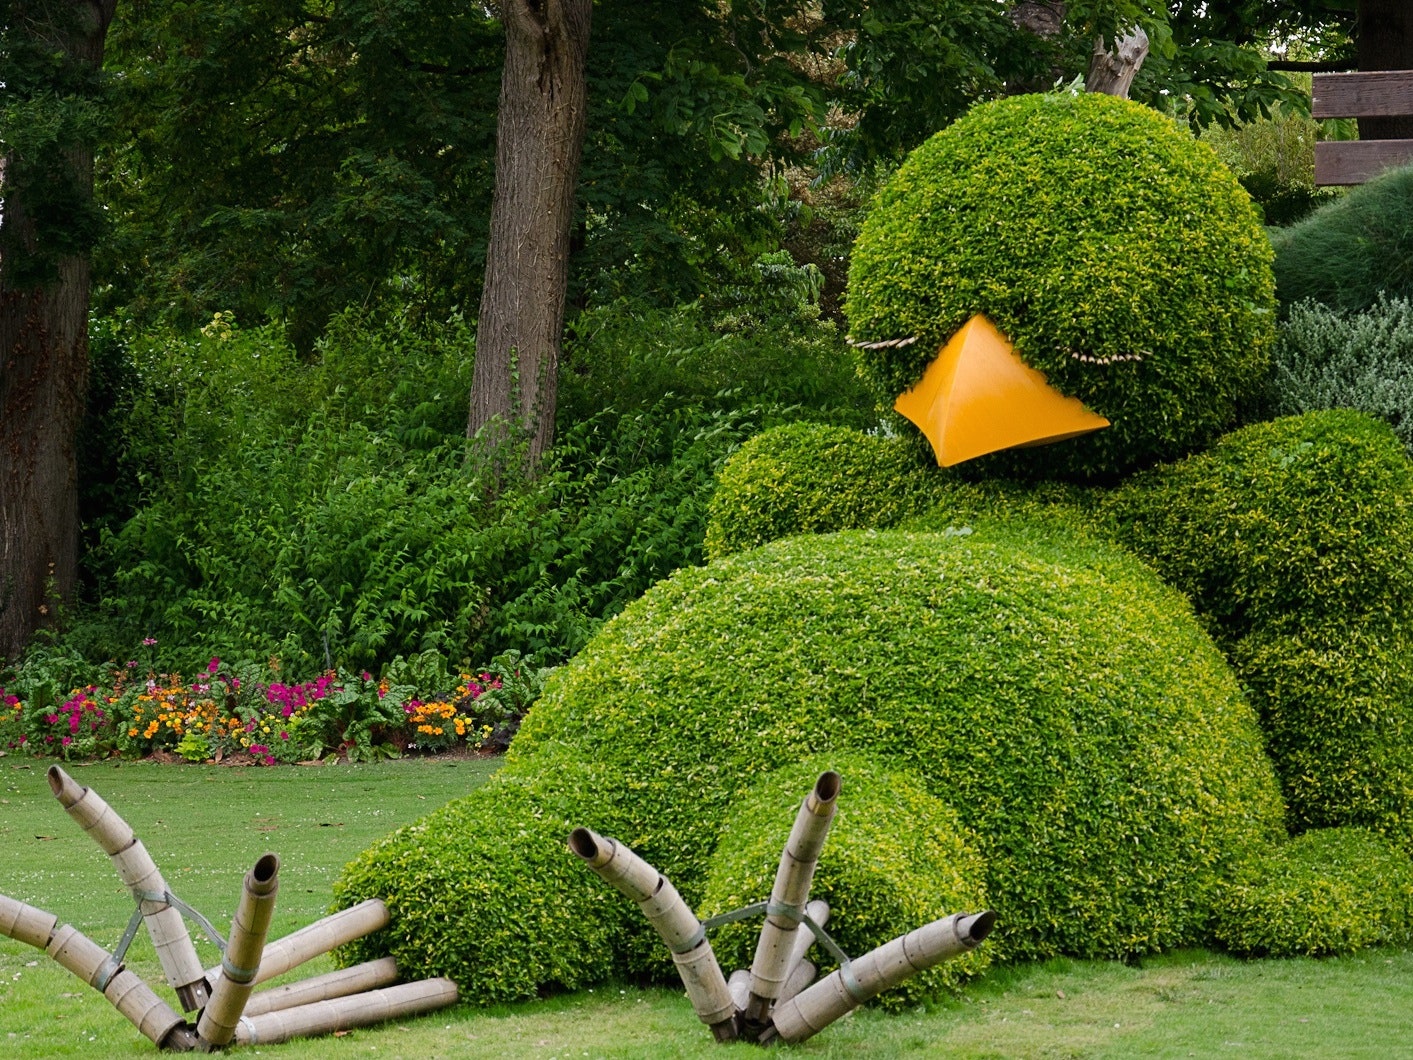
(1063, 702)
(1291, 539)
(1351, 250)
(809, 478)
(1329, 358)
(628, 357)
(1281, 525)
(486, 891)
(1328, 892)
(1336, 705)
(1118, 255)
(896, 859)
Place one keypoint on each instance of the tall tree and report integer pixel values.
(51, 52)
(539, 141)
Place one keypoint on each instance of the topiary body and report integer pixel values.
(1291, 538)
(1063, 702)
(1118, 255)
(1331, 891)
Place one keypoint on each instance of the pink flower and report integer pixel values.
(214, 666)
(67, 740)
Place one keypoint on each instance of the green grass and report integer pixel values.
(206, 825)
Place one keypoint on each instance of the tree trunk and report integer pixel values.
(1112, 71)
(43, 364)
(1384, 38)
(539, 138)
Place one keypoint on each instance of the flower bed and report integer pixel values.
(247, 713)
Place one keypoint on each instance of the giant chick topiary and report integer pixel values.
(1117, 254)
(1044, 688)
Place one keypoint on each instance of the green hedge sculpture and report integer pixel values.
(1114, 250)
(1048, 689)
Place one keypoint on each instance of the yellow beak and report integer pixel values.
(978, 396)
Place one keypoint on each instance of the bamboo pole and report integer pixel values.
(76, 952)
(157, 1020)
(800, 973)
(788, 897)
(318, 938)
(345, 981)
(845, 989)
(24, 923)
(241, 961)
(356, 1010)
(635, 879)
(139, 874)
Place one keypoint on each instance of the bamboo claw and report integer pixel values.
(139, 874)
(231, 989)
(675, 923)
(356, 980)
(788, 897)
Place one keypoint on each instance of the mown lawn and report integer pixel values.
(205, 826)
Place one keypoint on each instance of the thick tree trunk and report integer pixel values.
(540, 135)
(1384, 40)
(43, 369)
(1112, 70)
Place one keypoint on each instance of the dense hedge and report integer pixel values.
(485, 891)
(896, 858)
(1336, 704)
(1349, 252)
(1292, 540)
(1330, 891)
(1064, 703)
(809, 479)
(1303, 519)
(1116, 252)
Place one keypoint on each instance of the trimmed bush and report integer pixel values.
(815, 479)
(896, 859)
(1350, 251)
(808, 479)
(1329, 358)
(1329, 892)
(1291, 538)
(484, 891)
(1114, 250)
(1280, 525)
(1050, 690)
(1336, 704)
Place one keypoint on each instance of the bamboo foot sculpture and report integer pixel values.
(222, 997)
(774, 999)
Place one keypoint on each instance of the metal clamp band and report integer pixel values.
(788, 910)
(237, 975)
(692, 943)
(744, 913)
(851, 982)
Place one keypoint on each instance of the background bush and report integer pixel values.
(1118, 255)
(1291, 538)
(896, 859)
(1351, 250)
(1330, 358)
(324, 508)
(1063, 702)
(1330, 891)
